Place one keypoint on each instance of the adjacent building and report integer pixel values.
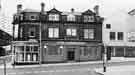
(119, 34)
(56, 36)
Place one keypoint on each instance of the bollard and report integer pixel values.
(4, 61)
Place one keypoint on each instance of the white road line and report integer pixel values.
(36, 71)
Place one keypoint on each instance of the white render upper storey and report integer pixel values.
(120, 23)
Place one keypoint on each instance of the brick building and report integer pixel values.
(56, 36)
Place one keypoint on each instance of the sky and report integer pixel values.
(107, 7)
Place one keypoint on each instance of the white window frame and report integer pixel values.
(88, 18)
(53, 32)
(53, 17)
(88, 33)
(71, 17)
(71, 32)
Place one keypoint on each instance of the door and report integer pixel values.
(71, 55)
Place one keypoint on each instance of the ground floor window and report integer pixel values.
(54, 50)
(88, 51)
(26, 53)
(130, 52)
(119, 51)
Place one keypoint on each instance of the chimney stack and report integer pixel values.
(42, 7)
(19, 8)
(96, 10)
(72, 10)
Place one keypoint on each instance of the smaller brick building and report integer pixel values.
(65, 36)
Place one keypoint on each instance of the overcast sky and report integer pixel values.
(107, 7)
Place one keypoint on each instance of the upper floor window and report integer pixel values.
(53, 32)
(120, 35)
(71, 32)
(89, 33)
(112, 36)
(21, 32)
(32, 32)
(108, 26)
(53, 17)
(88, 18)
(33, 17)
(70, 17)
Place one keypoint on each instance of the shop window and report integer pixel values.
(119, 51)
(112, 36)
(53, 32)
(89, 33)
(54, 50)
(71, 32)
(88, 18)
(89, 51)
(120, 35)
(53, 17)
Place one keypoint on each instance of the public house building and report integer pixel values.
(56, 36)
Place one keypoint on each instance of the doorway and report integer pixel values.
(71, 55)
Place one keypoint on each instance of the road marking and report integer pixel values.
(51, 71)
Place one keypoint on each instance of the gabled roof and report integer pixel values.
(88, 12)
(54, 10)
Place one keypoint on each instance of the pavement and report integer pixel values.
(111, 70)
(118, 70)
(113, 59)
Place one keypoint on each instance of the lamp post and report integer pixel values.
(104, 58)
(40, 44)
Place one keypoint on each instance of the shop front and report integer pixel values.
(70, 51)
(26, 52)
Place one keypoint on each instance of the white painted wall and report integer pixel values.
(120, 21)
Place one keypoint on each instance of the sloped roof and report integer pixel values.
(73, 13)
(88, 12)
(54, 10)
(30, 10)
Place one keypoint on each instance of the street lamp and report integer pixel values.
(61, 47)
(104, 58)
(45, 46)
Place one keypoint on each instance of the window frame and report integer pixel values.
(34, 31)
(71, 17)
(53, 32)
(108, 26)
(54, 17)
(89, 33)
(112, 35)
(71, 32)
(35, 17)
(88, 18)
(120, 35)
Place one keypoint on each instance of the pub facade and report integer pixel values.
(56, 36)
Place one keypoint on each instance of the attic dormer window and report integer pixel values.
(53, 17)
(33, 17)
(88, 18)
(71, 17)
